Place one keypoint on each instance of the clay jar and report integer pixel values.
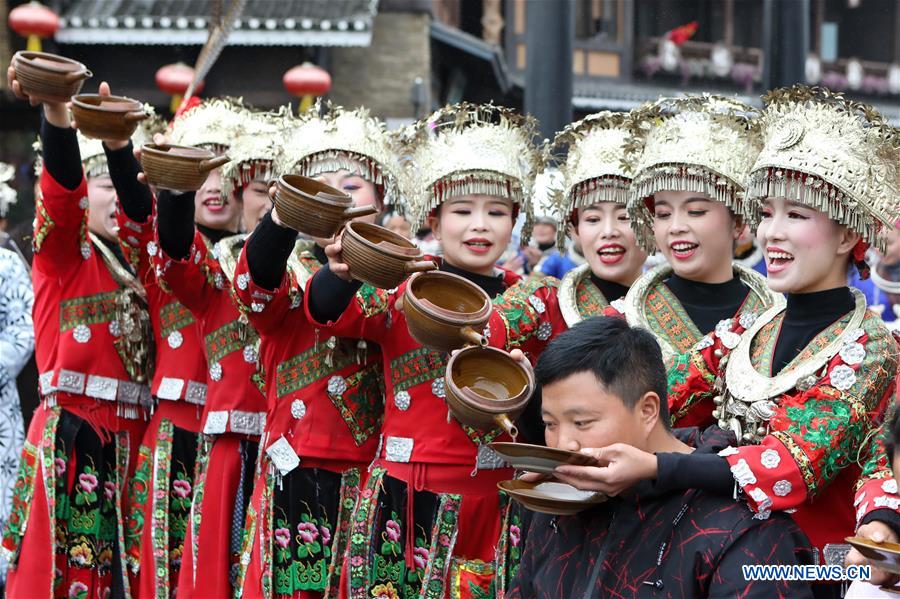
(107, 117)
(314, 208)
(485, 387)
(445, 311)
(179, 168)
(379, 256)
(48, 77)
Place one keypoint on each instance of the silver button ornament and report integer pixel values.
(842, 377)
(175, 339)
(537, 303)
(853, 353)
(337, 385)
(215, 371)
(82, 333)
(402, 400)
(544, 331)
(298, 409)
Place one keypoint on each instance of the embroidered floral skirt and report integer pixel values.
(297, 532)
(223, 483)
(66, 527)
(160, 493)
(443, 545)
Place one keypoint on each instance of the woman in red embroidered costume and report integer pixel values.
(325, 396)
(810, 381)
(429, 520)
(92, 332)
(196, 263)
(687, 200)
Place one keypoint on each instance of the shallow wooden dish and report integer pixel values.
(882, 555)
(48, 77)
(107, 117)
(551, 497)
(445, 311)
(485, 387)
(379, 256)
(314, 208)
(179, 168)
(537, 458)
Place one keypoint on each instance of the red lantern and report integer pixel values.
(307, 81)
(174, 79)
(34, 21)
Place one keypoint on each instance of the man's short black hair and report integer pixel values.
(625, 359)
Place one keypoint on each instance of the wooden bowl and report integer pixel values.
(48, 77)
(107, 117)
(445, 311)
(314, 208)
(485, 387)
(379, 256)
(537, 458)
(551, 497)
(882, 555)
(179, 168)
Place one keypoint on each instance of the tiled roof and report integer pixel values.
(262, 23)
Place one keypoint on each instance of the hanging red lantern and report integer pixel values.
(307, 81)
(34, 21)
(174, 79)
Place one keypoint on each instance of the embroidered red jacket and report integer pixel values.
(80, 349)
(235, 401)
(325, 396)
(692, 358)
(417, 426)
(180, 372)
(809, 459)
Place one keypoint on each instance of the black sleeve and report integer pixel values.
(886, 516)
(175, 222)
(682, 471)
(62, 158)
(135, 198)
(329, 295)
(268, 250)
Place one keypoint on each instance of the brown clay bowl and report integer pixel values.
(179, 168)
(48, 77)
(379, 256)
(445, 311)
(538, 458)
(314, 208)
(485, 387)
(882, 555)
(107, 117)
(550, 497)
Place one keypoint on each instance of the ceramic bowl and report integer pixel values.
(107, 117)
(445, 311)
(179, 168)
(485, 387)
(551, 497)
(48, 77)
(379, 256)
(537, 458)
(314, 208)
(882, 555)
